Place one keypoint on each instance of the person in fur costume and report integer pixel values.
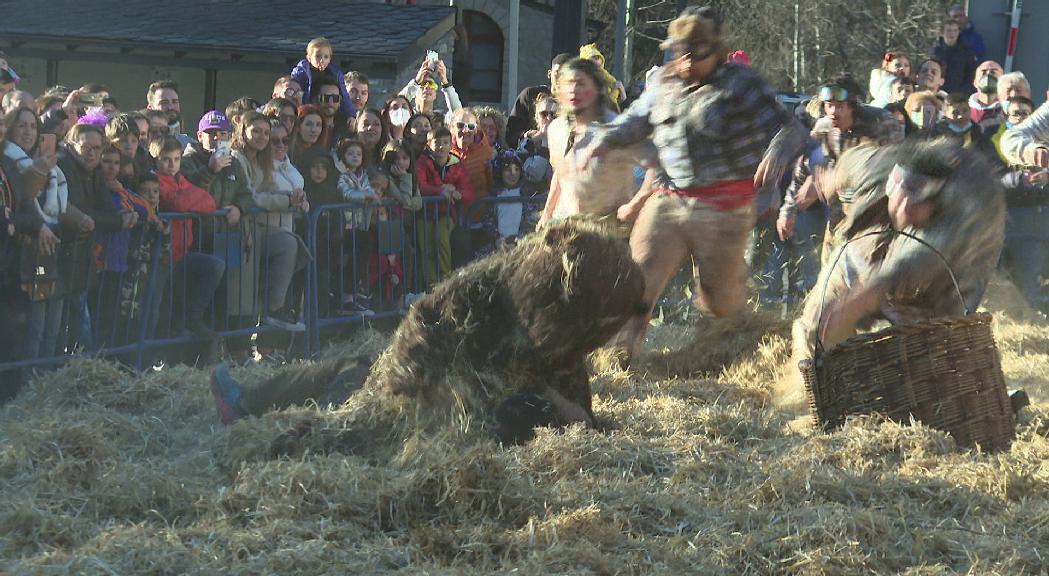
(505, 339)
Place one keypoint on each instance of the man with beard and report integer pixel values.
(328, 98)
(604, 188)
(162, 95)
(721, 135)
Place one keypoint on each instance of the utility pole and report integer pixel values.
(624, 39)
(511, 69)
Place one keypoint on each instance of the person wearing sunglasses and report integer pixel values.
(844, 123)
(474, 152)
(720, 135)
(329, 100)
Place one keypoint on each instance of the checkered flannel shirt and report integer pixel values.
(711, 133)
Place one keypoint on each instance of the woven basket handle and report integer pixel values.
(834, 263)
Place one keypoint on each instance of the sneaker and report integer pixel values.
(352, 307)
(227, 394)
(284, 320)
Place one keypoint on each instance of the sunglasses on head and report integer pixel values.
(331, 98)
(833, 94)
(466, 125)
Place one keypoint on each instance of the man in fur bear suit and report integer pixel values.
(506, 338)
(935, 190)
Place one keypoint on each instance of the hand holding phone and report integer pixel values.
(48, 144)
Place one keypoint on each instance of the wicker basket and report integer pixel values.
(945, 373)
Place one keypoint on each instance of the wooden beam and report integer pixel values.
(211, 82)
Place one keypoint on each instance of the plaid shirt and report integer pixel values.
(715, 132)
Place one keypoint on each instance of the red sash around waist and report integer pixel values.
(723, 196)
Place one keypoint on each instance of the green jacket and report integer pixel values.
(227, 187)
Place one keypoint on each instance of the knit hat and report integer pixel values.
(739, 57)
(590, 52)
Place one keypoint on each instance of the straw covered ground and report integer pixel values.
(704, 464)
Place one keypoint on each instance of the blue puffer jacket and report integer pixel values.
(303, 74)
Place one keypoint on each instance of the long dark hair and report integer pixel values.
(591, 69)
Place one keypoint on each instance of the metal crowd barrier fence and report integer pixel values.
(135, 292)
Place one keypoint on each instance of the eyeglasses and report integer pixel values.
(466, 125)
(547, 114)
(331, 98)
(832, 93)
(282, 141)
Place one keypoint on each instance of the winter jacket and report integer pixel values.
(178, 194)
(961, 65)
(476, 162)
(402, 189)
(522, 116)
(320, 193)
(357, 188)
(304, 73)
(974, 41)
(88, 193)
(27, 222)
(432, 179)
(112, 249)
(276, 201)
(52, 204)
(228, 187)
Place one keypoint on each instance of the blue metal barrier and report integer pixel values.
(355, 252)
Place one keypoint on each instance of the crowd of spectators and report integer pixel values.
(108, 209)
(952, 91)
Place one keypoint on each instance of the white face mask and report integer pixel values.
(400, 116)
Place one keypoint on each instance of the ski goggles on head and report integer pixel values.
(832, 93)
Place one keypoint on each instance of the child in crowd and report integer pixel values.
(317, 63)
(439, 174)
(112, 249)
(135, 287)
(385, 270)
(195, 275)
(355, 186)
(398, 165)
(322, 188)
(956, 122)
(508, 220)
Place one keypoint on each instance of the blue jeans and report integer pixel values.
(1026, 250)
(787, 271)
(45, 321)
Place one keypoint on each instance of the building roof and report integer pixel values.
(354, 28)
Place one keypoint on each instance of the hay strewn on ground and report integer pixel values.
(698, 469)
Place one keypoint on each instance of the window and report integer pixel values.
(486, 57)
